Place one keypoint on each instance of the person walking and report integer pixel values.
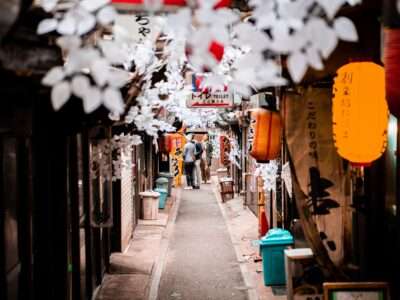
(197, 170)
(206, 159)
(188, 160)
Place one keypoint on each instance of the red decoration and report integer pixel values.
(217, 50)
(392, 70)
(220, 4)
(224, 149)
(140, 2)
(263, 223)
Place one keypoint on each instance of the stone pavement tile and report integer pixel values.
(124, 287)
(131, 264)
(161, 221)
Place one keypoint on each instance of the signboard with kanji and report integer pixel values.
(209, 100)
(139, 5)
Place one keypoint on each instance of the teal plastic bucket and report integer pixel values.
(272, 246)
(162, 183)
(170, 178)
(163, 197)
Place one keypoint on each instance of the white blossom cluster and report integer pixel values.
(107, 156)
(88, 72)
(235, 153)
(268, 172)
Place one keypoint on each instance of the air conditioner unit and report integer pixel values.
(262, 100)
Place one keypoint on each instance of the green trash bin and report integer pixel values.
(272, 246)
(163, 197)
(170, 178)
(162, 183)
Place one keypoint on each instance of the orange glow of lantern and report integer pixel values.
(360, 112)
(267, 133)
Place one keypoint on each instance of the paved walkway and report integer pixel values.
(201, 262)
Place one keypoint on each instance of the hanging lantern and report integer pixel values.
(392, 69)
(224, 150)
(266, 128)
(360, 112)
(165, 143)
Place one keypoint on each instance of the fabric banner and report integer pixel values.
(319, 169)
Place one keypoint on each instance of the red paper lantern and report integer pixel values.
(392, 70)
(224, 150)
(267, 131)
(165, 143)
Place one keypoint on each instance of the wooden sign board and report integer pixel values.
(356, 291)
(209, 100)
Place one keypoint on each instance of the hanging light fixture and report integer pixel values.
(266, 127)
(360, 112)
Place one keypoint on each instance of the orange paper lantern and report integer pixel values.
(360, 112)
(266, 126)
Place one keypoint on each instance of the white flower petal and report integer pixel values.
(106, 15)
(297, 65)
(314, 58)
(329, 42)
(331, 7)
(53, 76)
(69, 42)
(67, 26)
(91, 99)
(86, 24)
(93, 5)
(345, 29)
(48, 5)
(60, 94)
(113, 100)
(46, 26)
(118, 78)
(79, 85)
(100, 70)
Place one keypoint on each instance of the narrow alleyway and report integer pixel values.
(201, 262)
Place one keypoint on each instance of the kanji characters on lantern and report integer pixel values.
(360, 112)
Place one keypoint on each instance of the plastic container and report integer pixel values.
(163, 197)
(150, 204)
(272, 246)
(162, 183)
(170, 178)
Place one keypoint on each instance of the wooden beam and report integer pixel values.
(25, 60)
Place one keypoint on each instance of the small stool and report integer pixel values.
(291, 257)
(226, 189)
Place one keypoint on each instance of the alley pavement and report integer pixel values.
(201, 263)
